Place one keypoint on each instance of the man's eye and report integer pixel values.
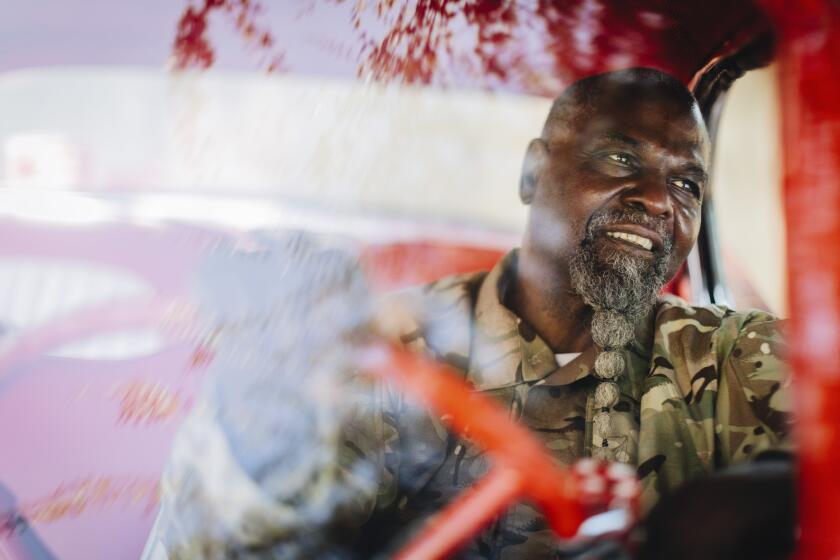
(622, 159)
(687, 185)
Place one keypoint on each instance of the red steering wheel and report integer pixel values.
(522, 469)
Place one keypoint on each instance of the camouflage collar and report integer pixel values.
(505, 349)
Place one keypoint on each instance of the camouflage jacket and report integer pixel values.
(704, 388)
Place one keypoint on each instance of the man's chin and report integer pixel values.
(622, 264)
(623, 281)
(618, 255)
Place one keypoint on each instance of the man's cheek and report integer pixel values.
(687, 227)
(553, 232)
(682, 246)
(675, 261)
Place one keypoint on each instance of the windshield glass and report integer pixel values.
(163, 163)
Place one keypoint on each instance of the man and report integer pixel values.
(569, 335)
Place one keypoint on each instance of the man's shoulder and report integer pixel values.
(714, 328)
(436, 316)
(726, 366)
(427, 300)
(455, 286)
(671, 308)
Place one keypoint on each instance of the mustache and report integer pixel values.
(608, 217)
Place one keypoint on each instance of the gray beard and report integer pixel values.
(620, 288)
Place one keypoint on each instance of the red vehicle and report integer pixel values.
(86, 429)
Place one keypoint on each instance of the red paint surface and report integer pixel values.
(466, 516)
(522, 469)
(810, 92)
(535, 48)
(542, 47)
(397, 265)
(192, 47)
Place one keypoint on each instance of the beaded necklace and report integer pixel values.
(611, 331)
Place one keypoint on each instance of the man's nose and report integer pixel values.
(649, 194)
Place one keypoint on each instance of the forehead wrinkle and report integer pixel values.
(691, 165)
(693, 153)
(618, 136)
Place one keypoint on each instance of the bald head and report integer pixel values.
(587, 98)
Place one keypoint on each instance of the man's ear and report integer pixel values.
(535, 160)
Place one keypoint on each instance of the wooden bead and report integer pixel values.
(606, 395)
(609, 364)
(600, 426)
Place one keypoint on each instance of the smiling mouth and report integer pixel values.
(631, 238)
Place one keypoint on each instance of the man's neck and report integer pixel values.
(542, 296)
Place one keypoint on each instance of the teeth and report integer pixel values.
(638, 240)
